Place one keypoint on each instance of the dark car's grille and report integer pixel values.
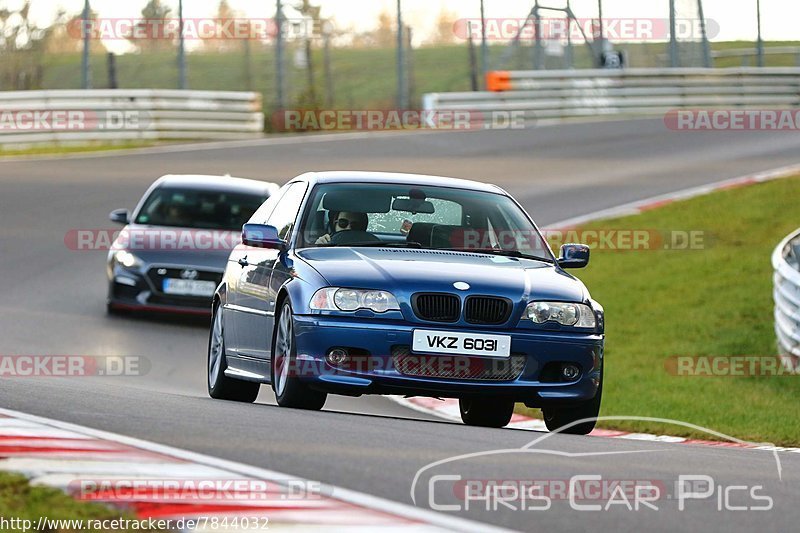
(157, 275)
(437, 307)
(457, 366)
(487, 310)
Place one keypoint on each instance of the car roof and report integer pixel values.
(393, 177)
(218, 183)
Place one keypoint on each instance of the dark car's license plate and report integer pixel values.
(189, 287)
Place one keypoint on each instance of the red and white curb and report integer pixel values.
(448, 409)
(641, 206)
(66, 456)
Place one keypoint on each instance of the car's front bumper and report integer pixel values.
(380, 342)
(132, 290)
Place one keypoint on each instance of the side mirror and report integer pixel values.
(120, 216)
(262, 236)
(574, 256)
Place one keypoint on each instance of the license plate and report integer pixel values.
(189, 287)
(448, 342)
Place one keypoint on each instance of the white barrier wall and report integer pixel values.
(566, 94)
(786, 263)
(77, 116)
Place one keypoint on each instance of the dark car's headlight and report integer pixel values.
(128, 260)
(340, 299)
(566, 314)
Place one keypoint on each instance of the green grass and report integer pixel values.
(364, 78)
(72, 149)
(711, 302)
(18, 499)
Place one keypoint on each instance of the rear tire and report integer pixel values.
(486, 412)
(557, 418)
(290, 391)
(220, 386)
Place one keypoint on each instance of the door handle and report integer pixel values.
(243, 262)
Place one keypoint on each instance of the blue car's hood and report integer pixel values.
(406, 271)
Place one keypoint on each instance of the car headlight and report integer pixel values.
(127, 259)
(566, 314)
(339, 299)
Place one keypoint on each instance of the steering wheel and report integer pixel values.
(352, 237)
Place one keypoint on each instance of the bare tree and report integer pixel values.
(149, 33)
(445, 22)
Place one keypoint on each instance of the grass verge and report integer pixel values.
(20, 500)
(73, 149)
(715, 301)
(362, 78)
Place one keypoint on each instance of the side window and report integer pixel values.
(285, 214)
(266, 209)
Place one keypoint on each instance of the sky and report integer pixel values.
(735, 18)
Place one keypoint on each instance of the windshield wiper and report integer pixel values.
(376, 244)
(493, 251)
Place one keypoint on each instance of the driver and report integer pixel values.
(177, 215)
(345, 221)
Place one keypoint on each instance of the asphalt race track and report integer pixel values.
(53, 303)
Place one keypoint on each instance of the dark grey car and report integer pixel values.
(171, 255)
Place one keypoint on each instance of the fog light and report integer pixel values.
(570, 372)
(337, 356)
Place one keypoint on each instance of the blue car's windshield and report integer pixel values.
(419, 216)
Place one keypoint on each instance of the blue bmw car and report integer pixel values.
(373, 283)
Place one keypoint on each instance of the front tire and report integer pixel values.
(220, 386)
(560, 418)
(290, 391)
(486, 412)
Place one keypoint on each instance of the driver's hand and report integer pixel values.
(325, 239)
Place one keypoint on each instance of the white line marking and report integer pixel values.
(635, 208)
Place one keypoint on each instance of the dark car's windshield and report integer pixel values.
(195, 208)
(419, 216)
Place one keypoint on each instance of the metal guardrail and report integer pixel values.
(566, 94)
(786, 263)
(77, 116)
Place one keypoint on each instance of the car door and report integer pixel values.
(257, 299)
(242, 282)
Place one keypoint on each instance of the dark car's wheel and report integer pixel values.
(560, 418)
(486, 412)
(220, 386)
(290, 391)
